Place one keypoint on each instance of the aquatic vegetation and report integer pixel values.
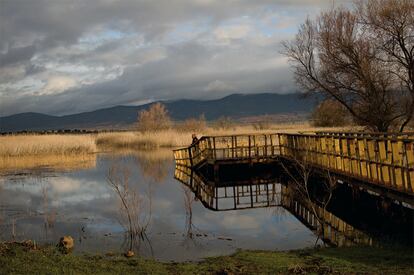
(135, 209)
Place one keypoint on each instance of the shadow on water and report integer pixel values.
(338, 214)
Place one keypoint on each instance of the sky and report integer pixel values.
(68, 56)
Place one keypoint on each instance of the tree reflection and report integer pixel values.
(49, 215)
(299, 172)
(135, 209)
(189, 233)
(154, 165)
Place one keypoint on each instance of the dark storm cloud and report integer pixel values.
(16, 55)
(70, 56)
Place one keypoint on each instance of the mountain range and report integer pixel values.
(235, 106)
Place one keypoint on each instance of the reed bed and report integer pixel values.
(60, 162)
(35, 145)
(40, 145)
(143, 140)
(173, 138)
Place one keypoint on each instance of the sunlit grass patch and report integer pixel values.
(25, 145)
(143, 140)
(18, 259)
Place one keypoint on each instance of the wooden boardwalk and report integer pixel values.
(385, 161)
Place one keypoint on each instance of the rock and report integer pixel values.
(129, 254)
(65, 244)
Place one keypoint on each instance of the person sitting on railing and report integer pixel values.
(195, 139)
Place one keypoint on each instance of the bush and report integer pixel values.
(330, 113)
(263, 124)
(224, 123)
(156, 118)
(193, 125)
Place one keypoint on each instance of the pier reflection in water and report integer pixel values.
(45, 201)
(328, 223)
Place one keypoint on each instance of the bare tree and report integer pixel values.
(135, 217)
(188, 205)
(362, 58)
(194, 125)
(154, 119)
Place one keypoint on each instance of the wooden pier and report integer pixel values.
(380, 162)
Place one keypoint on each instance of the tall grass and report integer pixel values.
(38, 145)
(24, 145)
(172, 138)
(143, 140)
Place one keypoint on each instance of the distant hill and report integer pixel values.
(235, 106)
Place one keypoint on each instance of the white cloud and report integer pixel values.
(227, 33)
(58, 84)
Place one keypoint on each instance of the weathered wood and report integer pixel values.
(383, 159)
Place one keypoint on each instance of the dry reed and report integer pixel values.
(177, 138)
(143, 140)
(35, 145)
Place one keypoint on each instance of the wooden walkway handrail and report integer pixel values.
(382, 159)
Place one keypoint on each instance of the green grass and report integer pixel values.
(21, 259)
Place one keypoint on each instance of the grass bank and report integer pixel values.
(69, 144)
(22, 259)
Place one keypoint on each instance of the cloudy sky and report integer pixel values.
(68, 56)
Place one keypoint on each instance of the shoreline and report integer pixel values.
(23, 258)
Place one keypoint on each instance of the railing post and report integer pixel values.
(214, 148)
(250, 148)
(190, 156)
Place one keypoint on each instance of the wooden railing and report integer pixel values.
(383, 159)
(386, 161)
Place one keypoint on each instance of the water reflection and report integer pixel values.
(179, 224)
(37, 165)
(279, 193)
(135, 208)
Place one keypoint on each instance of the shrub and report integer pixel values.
(223, 123)
(330, 113)
(193, 125)
(263, 124)
(156, 118)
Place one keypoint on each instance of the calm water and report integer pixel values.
(46, 203)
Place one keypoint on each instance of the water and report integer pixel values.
(76, 198)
